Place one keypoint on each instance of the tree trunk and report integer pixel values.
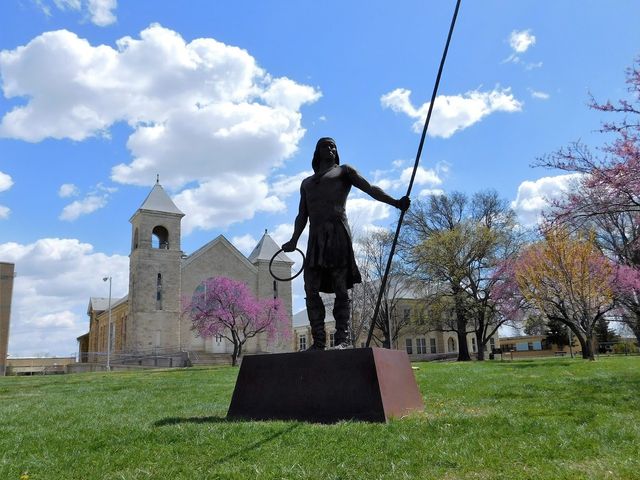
(234, 355)
(480, 348)
(461, 330)
(635, 326)
(587, 348)
(463, 348)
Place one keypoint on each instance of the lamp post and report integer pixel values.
(109, 327)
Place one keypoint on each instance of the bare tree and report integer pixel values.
(459, 244)
(373, 250)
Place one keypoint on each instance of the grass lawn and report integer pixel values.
(554, 419)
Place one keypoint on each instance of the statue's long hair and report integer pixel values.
(316, 160)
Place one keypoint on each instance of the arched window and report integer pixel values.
(159, 292)
(451, 345)
(160, 238)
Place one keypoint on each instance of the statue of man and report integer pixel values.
(330, 263)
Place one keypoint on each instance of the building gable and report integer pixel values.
(217, 258)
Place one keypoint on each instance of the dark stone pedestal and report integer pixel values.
(368, 384)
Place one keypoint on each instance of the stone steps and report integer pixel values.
(207, 358)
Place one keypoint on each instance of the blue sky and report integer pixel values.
(225, 101)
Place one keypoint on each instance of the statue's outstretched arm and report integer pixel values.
(374, 191)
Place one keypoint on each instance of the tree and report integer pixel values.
(606, 199)
(373, 250)
(225, 307)
(569, 281)
(459, 244)
(557, 333)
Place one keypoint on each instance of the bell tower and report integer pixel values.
(154, 275)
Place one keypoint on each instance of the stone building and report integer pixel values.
(414, 336)
(7, 272)
(148, 321)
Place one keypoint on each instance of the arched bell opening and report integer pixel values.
(160, 238)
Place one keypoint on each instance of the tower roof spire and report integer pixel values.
(159, 201)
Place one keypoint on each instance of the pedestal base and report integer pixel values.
(368, 384)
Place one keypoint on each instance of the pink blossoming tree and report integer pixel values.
(225, 307)
(606, 199)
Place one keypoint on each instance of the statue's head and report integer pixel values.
(323, 151)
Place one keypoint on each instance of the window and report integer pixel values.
(474, 346)
(432, 345)
(406, 314)
(451, 345)
(218, 338)
(421, 345)
(302, 342)
(160, 238)
(135, 239)
(332, 340)
(159, 292)
(124, 331)
(492, 343)
(409, 346)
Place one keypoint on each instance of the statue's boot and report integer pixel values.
(316, 314)
(341, 313)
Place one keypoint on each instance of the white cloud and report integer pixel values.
(94, 200)
(521, 40)
(68, 4)
(452, 113)
(428, 192)
(283, 92)
(423, 177)
(101, 12)
(540, 95)
(224, 200)
(87, 205)
(534, 196)
(532, 65)
(6, 182)
(245, 243)
(364, 212)
(98, 12)
(64, 319)
(67, 190)
(55, 279)
(199, 110)
(284, 186)
(397, 178)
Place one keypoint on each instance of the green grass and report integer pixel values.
(555, 419)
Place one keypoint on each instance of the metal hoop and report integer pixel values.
(286, 279)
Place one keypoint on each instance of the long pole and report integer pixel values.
(383, 285)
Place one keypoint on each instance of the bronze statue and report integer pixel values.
(330, 262)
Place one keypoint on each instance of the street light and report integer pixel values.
(109, 327)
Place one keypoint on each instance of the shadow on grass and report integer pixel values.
(178, 420)
(522, 364)
(240, 452)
